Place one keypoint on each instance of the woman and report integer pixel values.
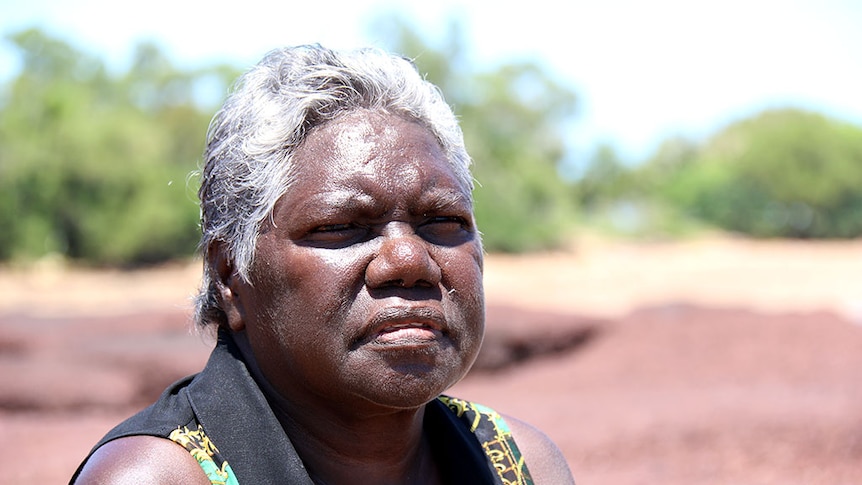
(343, 273)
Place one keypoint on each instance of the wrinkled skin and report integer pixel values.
(366, 288)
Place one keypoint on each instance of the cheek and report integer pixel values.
(463, 266)
(308, 288)
(463, 270)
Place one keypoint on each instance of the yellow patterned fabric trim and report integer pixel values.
(207, 455)
(496, 438)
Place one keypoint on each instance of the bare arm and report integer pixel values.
(546, 462)
(142, 460)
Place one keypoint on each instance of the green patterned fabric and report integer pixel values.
(205, 452)
(496, 438)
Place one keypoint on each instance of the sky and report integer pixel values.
(643, 71)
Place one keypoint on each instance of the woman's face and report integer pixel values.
(366, 288)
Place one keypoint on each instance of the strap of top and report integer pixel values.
(496, 439)
(207, 455)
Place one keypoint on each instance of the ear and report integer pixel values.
(228, 284)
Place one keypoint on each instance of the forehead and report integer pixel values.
(362, 135)
(367, 145)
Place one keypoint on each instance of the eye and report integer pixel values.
(455, 220)
(336, 235)
(446, 230)
(330, 228)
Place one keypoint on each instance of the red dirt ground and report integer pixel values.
(706, 362)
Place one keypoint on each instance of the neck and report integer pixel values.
(340, 446)
(375, 451)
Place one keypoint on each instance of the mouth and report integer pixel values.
(405, 326)
(405, 333)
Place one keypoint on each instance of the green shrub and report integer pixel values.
(784, 173)
(89, 168)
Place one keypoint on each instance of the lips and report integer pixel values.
(405, 325)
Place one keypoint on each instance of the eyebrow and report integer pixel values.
(334, 201)
(442, 199)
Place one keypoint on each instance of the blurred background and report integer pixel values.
(670, 195)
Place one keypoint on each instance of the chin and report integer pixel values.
(414, 385)
(409, 376)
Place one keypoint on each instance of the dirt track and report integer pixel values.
(710, 362)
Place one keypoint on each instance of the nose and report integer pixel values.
(403, 260)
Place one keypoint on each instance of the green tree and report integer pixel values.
(604, 180)
(782, 173)
(95, 166)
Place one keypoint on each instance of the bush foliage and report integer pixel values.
(782, 173)
(95, 165)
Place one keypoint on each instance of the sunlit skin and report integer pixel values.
(366, 297)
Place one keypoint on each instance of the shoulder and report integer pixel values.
(544, 459)
(141, 459)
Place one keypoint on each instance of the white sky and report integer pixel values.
(643, 70)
